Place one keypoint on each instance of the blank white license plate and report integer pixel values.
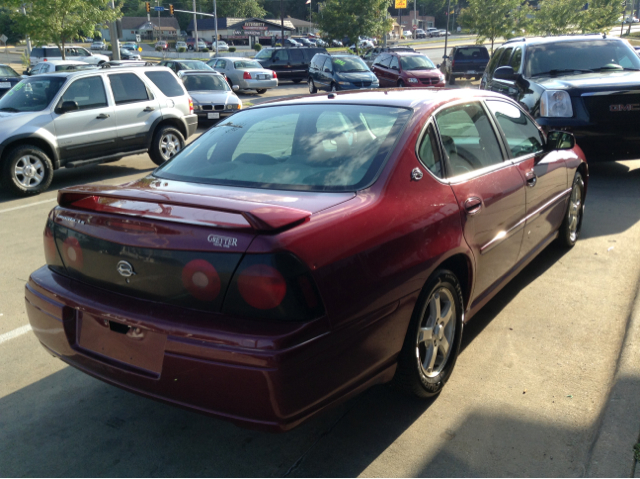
(471, 72)
(213, 116)
(5, 84)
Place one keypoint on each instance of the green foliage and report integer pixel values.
(61, 21)
(560, 17)
(9, 25)
(182, 50)
(491, 19)
(232, 49)
(354, 18)
(257, 47)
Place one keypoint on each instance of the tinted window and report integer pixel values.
(88, 93)
(506, 56)
(494, 60)
(522, 135)
(166, 83)
(7, 71)
(386, 61)
(281, 56)
(429, 153)
(309, 147)
(246, 64)
(417, 62)
(32, 94)
(52, 52)
(36, 52)
(205, 83)
(468, 138)
(328, 66)
(127, 88)
(193, 65)
(472, 53)
(516, 59)
(264, 54)
(296, 55)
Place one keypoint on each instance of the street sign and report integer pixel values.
(4, 39)
(415, 27)
(159, 9)
(401, 4)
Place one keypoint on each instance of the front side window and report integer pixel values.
(328, 65)
(506, 56)
(31, 94)
(88, 93)
(516, 59)
(494, 60)
(468, 138)
(522, 136)
(128, 88)
(316, 147)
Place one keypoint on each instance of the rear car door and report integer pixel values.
(90, 131)
(298, 65)
(136, 110)
(281, 64)
(544, 174)
(488, 188)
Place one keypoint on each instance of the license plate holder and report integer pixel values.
(5, 84)
(213, 116)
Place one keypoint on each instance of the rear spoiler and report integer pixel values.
(176, 207)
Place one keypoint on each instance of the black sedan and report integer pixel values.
(8, 78)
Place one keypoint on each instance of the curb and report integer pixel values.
(611, 453)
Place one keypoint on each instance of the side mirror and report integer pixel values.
(505, 73)
(560, 140)
(394, 68)
(326, 70)
(67, 106)
(235, 87)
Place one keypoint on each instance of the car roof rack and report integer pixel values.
(517, 39)
(130, 63)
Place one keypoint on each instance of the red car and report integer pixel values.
(304, 250)
(406, 69)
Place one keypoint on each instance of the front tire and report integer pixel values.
(312, 86)
(432, 343)
(26, 171)
(260, 91)
(167, 142)
(572, 223)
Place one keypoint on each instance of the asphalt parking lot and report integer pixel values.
(531, 394)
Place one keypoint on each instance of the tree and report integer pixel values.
(354, 18)
(491, 19)
(62, 21)
(560, 17)
(600, 15)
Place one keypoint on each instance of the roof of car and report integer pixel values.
(190, 72)
(71, 73)
(400, 97)
(65, 62)
(560, 38)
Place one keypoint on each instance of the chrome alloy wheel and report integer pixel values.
(436, 333)
(169, 146)
(575, 212)
(29, 171)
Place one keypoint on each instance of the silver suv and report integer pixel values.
(70, 119)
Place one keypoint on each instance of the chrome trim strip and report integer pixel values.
(617, 92)
(503, 235)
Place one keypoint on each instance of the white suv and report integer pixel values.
(45, 54)
(70, 119)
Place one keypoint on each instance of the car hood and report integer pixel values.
(356, 76)
(422, 73)
(587, 82)
(211, 96)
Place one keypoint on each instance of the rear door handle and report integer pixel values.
(532, 178)
(149, 108)
(102, 116)
(472, 205)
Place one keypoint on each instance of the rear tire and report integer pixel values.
(433, 338)
(26, 171)
(572, 224)
(312, 87)
(260, 91)
(297, 80)
(167, 142)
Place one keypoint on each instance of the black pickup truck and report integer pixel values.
(469, 61)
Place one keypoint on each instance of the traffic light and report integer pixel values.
(171, 9)
(147, 5)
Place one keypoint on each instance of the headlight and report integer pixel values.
(412, 80)
(345, 83)
(555, 104)
(196, 107)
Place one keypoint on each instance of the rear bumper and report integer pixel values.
(273, 380)
(192, 124)
(258, 84)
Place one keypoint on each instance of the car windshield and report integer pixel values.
(349, 64)
(264, 53)
(315, 147)
(579, 56)
(195, 65)
(246, 64)
(417, 62)
(205, 83)
(7, 71)
(31, 94)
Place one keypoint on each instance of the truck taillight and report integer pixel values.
(274, 74)
(190, 106)
(246, 76)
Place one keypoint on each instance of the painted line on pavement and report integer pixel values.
(27, 206)
(15, 333)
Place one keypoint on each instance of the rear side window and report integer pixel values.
(166, 83)
(394, 63)
(308, 54)
(52, 52)
(128, 88)
(296, 55)
(281, 56)
(429, 153)
(37, 52)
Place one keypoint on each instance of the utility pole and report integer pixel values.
(24, 12)
(195, 27)
(215, 15)
(113, 32)
(446, 35)
(281, 25)
(415, 20)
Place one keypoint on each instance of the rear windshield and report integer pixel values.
(471, 53)
(7, 71)
(416, 63)
(205, 83)
(166, 82)
(595, 55)
(195, 65)
(246, 64)
(316, 147)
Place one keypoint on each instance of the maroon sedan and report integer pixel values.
(406, 69)
(302, 251)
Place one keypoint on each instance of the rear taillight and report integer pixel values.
(44, 60)
(201, 279)
(190, 106)
(246, 76)
(274, 75)
(276, 287)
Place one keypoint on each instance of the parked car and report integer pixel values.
(8, 78)
(161, 44)
(290, 42)
(69, 120)
(54, 66)
(339, 72)
(433, 32)
(98, 45)
(213, 98)
(407, 34)
(336, 43)
(420, 33)
(584, 84)
(444, 33)
(81, 54)
(202, 46)
(245, 73)
(362, 45)
(177, 64)
(465, 61)
(180, 45)
(288, 63)
(303, 251)
(304, 41)
(222, 46)
(372, 54)
(406, 69)
(126, 54)
(133, 46)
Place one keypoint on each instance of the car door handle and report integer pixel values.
(472, 205)
(149, 108)
(102, 116)
(532, 178)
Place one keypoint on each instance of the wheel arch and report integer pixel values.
(461, 266)
(583, 169)
(39, 142)
(174, 122)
